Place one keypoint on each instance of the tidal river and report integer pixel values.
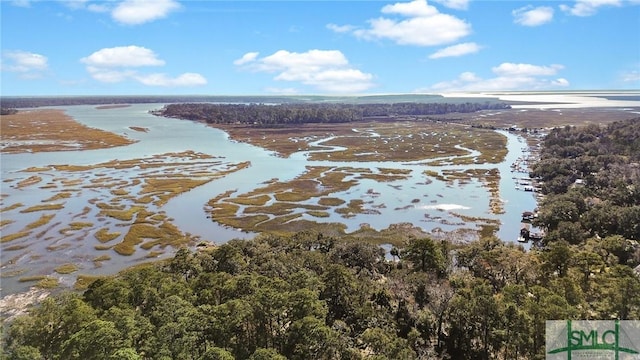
(433, 206)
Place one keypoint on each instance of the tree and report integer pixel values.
(266, 354)
(556, 258)
(310, 338)
(183, 263)
(386, 345)
(425, 255)
(216, 353)
(340, 293)
(49, 325)
(620, 294)
(98, 340)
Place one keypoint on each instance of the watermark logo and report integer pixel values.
(593, 339)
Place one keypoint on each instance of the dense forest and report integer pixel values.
(591, 178)
(311, 296)
(294, 114)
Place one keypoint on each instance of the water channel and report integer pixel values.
(426, 204)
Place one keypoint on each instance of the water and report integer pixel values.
(411, 200)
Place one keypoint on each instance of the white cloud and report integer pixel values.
(415, 8)
(21, 3)
(186, 79)
(135, 12)
(123, 56)
(530, 16)
(631, 76)
(469, 77)
(325, 70)
(420, 24)
(311, 61)
(109, 75)
(246, 58)
(455, 4)
(127, 12)
(118, 64)
(74, 4)
(588, 7)
(456, 50)
(509, 76)
(29, 65)
(98, 8)
(560, 82)
(341, 28)
(511, 69)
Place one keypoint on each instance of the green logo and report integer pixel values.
(599, 339)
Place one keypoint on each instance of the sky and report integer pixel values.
(171, 47)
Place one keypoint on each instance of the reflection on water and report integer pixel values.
(425, 202)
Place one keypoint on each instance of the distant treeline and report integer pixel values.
(39, 101)
(293, 114)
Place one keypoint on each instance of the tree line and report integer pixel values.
(309, 296)
(295, 114)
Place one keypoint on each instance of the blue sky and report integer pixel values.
(131, 47)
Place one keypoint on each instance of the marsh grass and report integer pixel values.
(80, 225)
(37, 169)
(292, 196)
(150, 236)
(83, 281)
(252, 201)
(247, 222)
(101, 258)
(16, 247)
(136, 234)
(43, 220)
(31, 180)
(11, 207)
(12, 273)
(283, 215)
(58, 247)
(122, 215)
(66, 269)
(103, 235)
(280, 223)
(48, 283)
(383, 177)
(354, 207)
(318, 214)
(32, 278)
(14, 236)
(44, 207)
(58, 196)
(330, 201)
(52, 130)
